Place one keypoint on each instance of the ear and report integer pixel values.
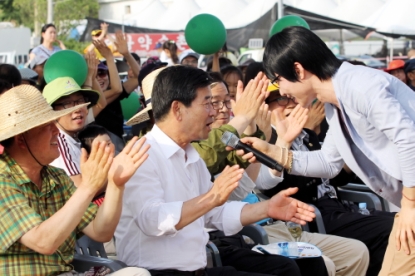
(299, 69)
(177, 108)
(19, 141)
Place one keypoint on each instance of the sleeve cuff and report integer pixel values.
(232, 217)
(274, 177)
(169, 215)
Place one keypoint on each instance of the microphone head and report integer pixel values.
(230, 139)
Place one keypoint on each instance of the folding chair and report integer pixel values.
(90, 253)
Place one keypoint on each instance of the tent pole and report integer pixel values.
(280, 9)
(391, 50)
(341, 42)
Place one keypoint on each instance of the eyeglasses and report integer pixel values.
(219, 104)
(189, 62)
(102, 73)
(208, 105)
(69, 104)
(282, 100)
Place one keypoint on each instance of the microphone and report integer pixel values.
(231, 140)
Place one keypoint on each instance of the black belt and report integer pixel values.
(167, 272)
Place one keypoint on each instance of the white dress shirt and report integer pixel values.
(379, 114)
(146, 235)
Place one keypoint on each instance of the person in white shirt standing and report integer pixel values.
(170, 199)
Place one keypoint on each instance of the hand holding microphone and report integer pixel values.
(231, 140)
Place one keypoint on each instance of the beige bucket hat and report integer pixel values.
(23, 107)
(147, 88)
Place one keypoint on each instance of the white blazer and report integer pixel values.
(379, 113)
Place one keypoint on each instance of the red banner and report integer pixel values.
(146, 45)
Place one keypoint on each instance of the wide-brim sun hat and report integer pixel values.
(395, 64)
(23, 108)
(147, 88)
(65, 86)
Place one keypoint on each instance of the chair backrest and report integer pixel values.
(89, 247)
(213, 256)
(256, 233)
(384, 206)
(318, 221)
(371, 199)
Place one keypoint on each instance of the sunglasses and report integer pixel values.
(102, 73)
(281, 100)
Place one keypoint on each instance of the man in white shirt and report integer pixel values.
(170, 199)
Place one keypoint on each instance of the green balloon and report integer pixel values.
(205, 34)
(287, 21)
(66, 63)
(130, 106)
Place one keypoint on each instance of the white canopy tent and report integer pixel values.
(355, 11)
(149, 11)
(395, 17)
(177, 15)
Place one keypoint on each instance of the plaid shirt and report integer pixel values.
(22, 207)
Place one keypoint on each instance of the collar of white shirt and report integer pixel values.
(169, 147)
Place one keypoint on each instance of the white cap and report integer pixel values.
(188, 53)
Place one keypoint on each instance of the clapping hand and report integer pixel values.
(92, 63)
(128, 161)
(104, 50)
(250, 99)
(95, 167)
(263, 120)
(290, 127)
(224, 185)
(121, 43)
(316, 115)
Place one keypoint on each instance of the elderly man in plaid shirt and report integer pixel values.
(42, 213)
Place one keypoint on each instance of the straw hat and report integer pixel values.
(147, 88)
(23, 108)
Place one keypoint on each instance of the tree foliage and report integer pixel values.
(22, 12)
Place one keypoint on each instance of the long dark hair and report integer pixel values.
(172, 47)
(44, 28)
(9, 77)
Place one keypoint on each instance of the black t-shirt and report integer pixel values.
(111, 116)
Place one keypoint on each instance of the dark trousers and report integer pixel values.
(372, 230)
(234, 252)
